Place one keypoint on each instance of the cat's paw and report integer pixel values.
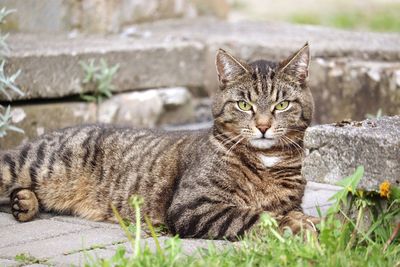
(298, 221)
(24, 205)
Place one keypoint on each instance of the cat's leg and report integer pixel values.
(24, 204)
(296, 221)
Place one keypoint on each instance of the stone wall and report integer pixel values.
(352, 74)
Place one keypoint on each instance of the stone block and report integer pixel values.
(36, 119)
(148, 108)
(63, 243)
(344, 88)
(33, 231)
(336, 150)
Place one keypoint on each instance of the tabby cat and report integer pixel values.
(211, 183)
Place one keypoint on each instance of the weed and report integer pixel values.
(27, 259)
(98, 80)
(7, 83)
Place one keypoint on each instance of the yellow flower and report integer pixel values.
(384, 189)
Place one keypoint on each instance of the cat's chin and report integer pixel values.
(262, 143)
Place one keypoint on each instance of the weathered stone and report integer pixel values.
(344, 88)
(51, 69)
(316, 196)
(101, 16)
(37, 119)
(65, 243)
(34, 230)
(337, 150)
(148, 108)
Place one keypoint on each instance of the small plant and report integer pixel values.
(7, 83)
(378, 114)
(98, 80)
(27, 259)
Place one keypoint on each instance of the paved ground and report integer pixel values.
(60, 240)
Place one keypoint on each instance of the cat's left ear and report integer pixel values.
(297, 64)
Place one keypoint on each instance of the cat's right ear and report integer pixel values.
(228, 67)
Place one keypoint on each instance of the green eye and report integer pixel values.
(243, 105)
(282, 106)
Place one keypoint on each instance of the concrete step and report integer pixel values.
(336, 150)
(346, 65)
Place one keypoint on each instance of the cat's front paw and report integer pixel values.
(298, 221)
(24, 205)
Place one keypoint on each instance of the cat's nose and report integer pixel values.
(263, 128)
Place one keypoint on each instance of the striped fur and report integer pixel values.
(203, 184)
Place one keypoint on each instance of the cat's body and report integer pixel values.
(208, 184)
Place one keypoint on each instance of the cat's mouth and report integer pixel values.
(263, 142)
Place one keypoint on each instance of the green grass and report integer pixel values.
(343, 240)
(379, 19)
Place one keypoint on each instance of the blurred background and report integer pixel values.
(150, 63)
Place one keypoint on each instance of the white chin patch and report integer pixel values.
(262, 143)
(269, 161)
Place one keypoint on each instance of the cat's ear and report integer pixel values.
(229, 67)
(297, 64)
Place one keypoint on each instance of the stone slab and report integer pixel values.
(22, 234)
(79, 259)
(337, 149)
(255, 39)
(64, 244)
(51, 64)
(79, 221)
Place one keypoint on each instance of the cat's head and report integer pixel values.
(264, 104)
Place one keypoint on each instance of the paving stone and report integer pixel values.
(79, 221)
(337, 149)
(79, 259)
(25, 233)
(65, 243)
(189, 246)
(8, 263)
(6, 219)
